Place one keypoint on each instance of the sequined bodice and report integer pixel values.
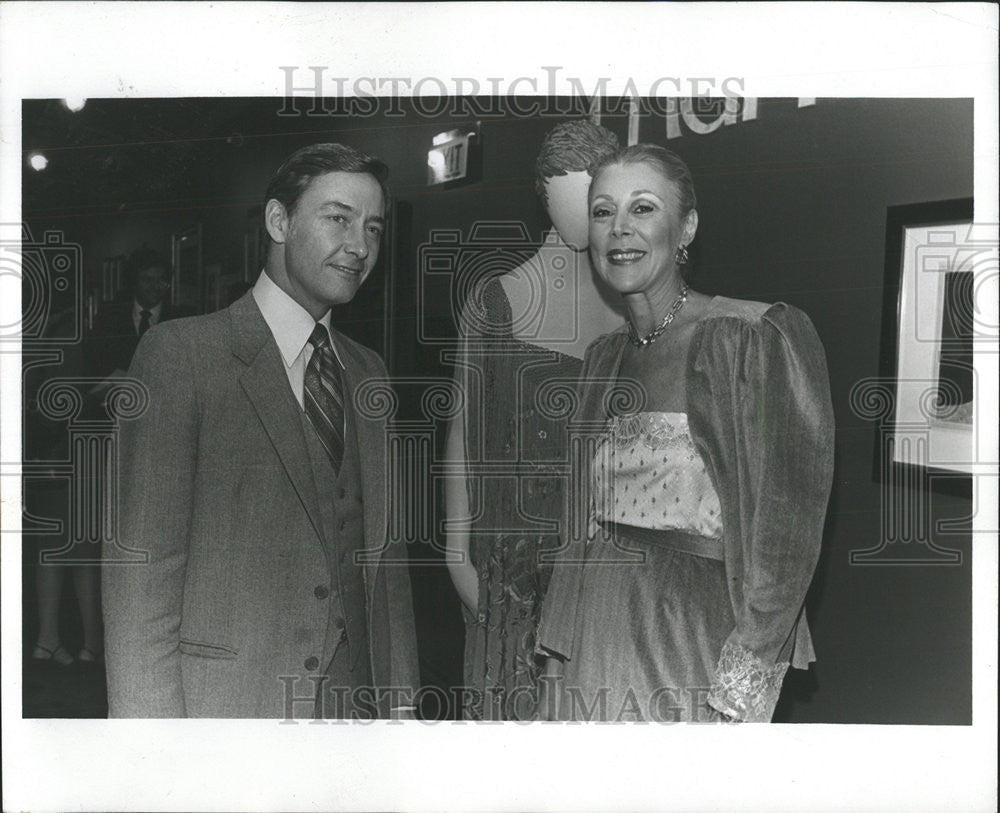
(647, 472)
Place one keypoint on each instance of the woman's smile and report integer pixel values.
(625, 256)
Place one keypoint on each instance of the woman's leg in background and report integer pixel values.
(87, 582)
(49, 583)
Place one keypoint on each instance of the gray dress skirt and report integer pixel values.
(659, 610)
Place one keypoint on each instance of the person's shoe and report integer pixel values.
(57, 656)
(89, 656)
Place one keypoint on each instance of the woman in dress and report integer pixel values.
(683, 598)
(521, 330)
(53, 556)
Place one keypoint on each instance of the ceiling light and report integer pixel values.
(75, 103)
(38, 161)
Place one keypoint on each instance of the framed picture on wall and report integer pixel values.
(928, 332)
(213, 287)
(188, 287)
(112, 271)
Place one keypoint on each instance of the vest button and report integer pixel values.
(339, 623)
(343, 493)
(321, 592)
(343, 524)
(312, 663)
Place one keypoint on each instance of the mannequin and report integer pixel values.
(541, 316)
(556, 300)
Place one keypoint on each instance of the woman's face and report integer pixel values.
(635, 228)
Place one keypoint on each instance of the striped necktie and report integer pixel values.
(324, 396)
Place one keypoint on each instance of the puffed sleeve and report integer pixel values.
(760, 410)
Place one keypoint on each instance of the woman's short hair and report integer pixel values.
(573, 146)
(293, 176)
(668, 163)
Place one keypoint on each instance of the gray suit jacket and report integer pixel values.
(217, 487)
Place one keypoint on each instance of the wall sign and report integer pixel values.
(454, 157)
(696, 115)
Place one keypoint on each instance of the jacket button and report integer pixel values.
(312, 663)
(343, 524)
(343, 493)
(321, 592)
(339, 623)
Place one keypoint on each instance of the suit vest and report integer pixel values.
(342, 511)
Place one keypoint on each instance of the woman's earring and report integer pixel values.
(682, 255)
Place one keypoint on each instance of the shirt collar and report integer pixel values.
(289, 322)
(137, 310)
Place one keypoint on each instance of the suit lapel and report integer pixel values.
(266, 385)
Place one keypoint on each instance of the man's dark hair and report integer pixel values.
(293, 176)
(141, 259)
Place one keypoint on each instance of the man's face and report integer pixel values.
(331, 240)
(151, 286)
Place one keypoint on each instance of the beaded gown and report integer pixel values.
(516, 450)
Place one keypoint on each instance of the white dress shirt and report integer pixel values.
(154, 315)
(291, 327)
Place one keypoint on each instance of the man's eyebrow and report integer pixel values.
(337, 204)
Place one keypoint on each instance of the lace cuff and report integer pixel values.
(744, 688)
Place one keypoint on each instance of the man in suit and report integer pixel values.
(258, 487)
(118, 326)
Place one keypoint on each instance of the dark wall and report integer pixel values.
(792, 207)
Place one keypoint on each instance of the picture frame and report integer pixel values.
(928, 436)
(213, 288)
(112, 271)
(188, 283)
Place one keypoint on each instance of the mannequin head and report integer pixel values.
(566, 202)
(563, 170)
